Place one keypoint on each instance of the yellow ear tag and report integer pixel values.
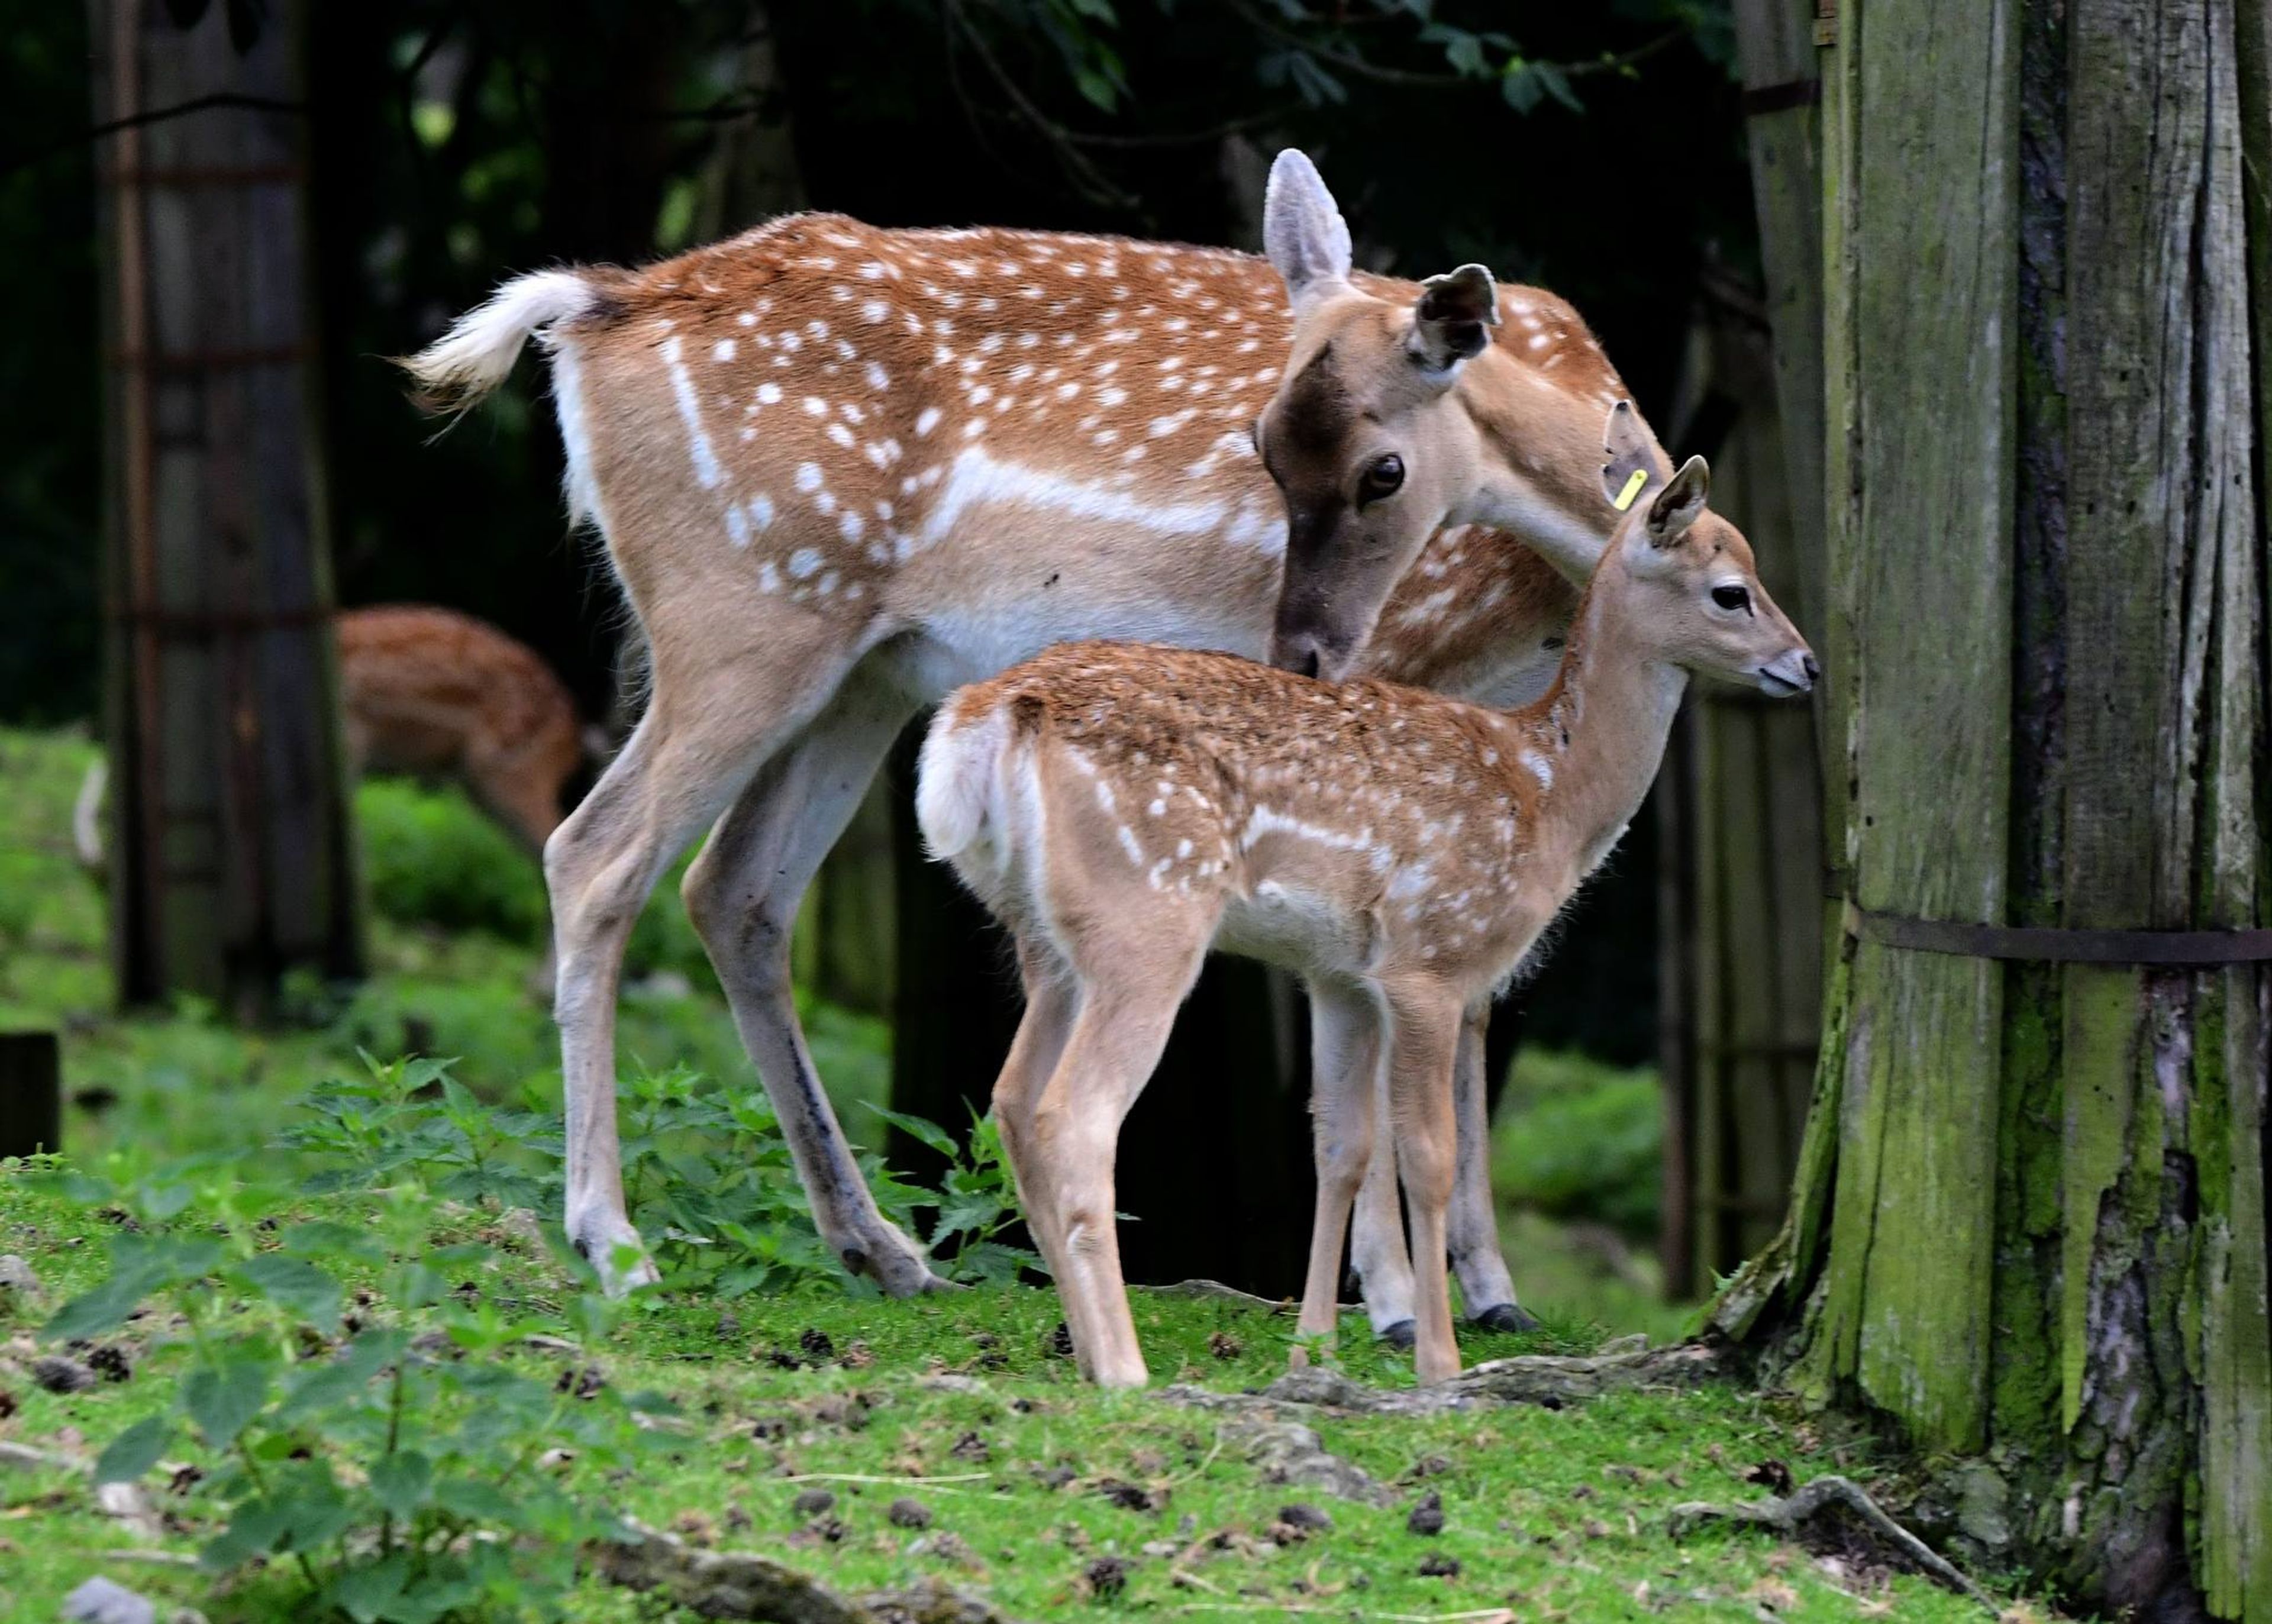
(1633, 489)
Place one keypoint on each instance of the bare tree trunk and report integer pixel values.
(233, 854)
(2030, 1221)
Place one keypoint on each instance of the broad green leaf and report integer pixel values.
(928, 1132)
(400, 1482)
(257, 1527)
(135, 1451)
(293, 1283)
(223, 1398)
(474, 1500)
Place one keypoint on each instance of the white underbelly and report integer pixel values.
(1296, 930)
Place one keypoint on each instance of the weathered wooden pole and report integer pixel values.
(231, 842)
(1739, 808)
(2030, 1225)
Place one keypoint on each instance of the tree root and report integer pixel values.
(1790, 1514)
(741, 1585)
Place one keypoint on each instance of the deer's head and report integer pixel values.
(1370, 462)
(1686, 576)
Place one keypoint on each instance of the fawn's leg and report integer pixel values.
(1423, 1040)
(1115, 1044)
(1486, 1289)
(742, 894)
(713, 721)
(1345, 1066)
(1052, 1000)
(1377, 1250)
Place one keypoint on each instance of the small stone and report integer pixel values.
(17, 1277)
(1058, 1344)
(817, 1345)
(58, 1374)
(813, 1502)
(1054, 1477)
(556, 1460)
(1305, 1516)
(1106, 1577)
(1436, 1565)
(738, 1519)
(109, 1361)
(101, 1601)
(908, 1513)
(1223, 1345)
(1160, 1547)
(1428, 1517)
(856, 1356)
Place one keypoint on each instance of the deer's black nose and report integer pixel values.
(1812, 669)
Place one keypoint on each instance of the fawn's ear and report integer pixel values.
(1451, 318)
(1304, 233)
(1633, 462)
(1679, 504)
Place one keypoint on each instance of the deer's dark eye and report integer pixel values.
(1731, 597)
(1380, 479)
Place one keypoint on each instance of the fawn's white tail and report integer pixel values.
(474, 355)
(962, 769)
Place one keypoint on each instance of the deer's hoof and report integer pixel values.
(1401, 1334)
(1509, 1319)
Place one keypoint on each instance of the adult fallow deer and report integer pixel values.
(1123, 809)
(842, 470)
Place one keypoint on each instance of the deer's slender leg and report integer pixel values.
(1486, 1289)
(712, 722)
(742, 894)
(1345, 1066)
(1378, 1252)
(1115, 1044)
(1052, 1001)
(1423, 1042)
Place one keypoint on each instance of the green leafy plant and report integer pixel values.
(977, 1201)
(390, 1458)
(707, 1174)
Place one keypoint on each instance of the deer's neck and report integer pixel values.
(1541, 474)
(1601, 732)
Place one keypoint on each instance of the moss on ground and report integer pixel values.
(965, 1403)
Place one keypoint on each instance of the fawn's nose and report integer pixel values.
(1813, 671)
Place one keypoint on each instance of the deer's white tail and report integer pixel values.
(474, 355)
(963, 765)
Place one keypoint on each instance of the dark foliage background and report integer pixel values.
(1593, 149)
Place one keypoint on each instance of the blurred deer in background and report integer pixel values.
(442, 696)
(843, 470)
(1126, 809)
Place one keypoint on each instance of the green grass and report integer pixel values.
(1554, 1513)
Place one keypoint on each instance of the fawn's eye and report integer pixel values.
(1731, 597)
(1379, 480)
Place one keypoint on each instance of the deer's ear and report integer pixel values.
(1451, 318)
(1304, 233)
(1631, 465)
(1679, 504)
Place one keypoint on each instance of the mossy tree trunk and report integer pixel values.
(2030, 1221)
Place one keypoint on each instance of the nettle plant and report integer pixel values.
(369, 1443)
(707, 1174)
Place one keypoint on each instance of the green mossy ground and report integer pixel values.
(962, 1402)
(1553, 1514)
